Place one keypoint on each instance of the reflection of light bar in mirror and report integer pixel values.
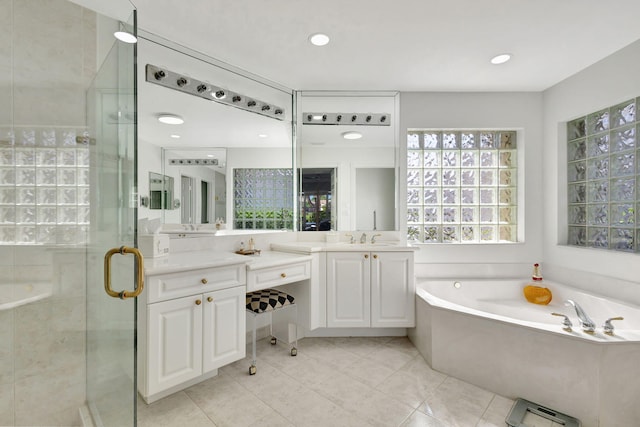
(365, 119)
(194, 162)
(205, 90)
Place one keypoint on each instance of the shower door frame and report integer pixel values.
(111, 371)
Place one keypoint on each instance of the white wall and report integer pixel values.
(375, 191)
(612, 80)
(519, 111)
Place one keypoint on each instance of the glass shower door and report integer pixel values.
(111, 320)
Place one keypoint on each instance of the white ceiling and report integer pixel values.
(406, 45)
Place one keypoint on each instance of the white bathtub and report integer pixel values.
(486, 333)
(17, 294)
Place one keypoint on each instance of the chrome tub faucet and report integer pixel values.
(587, 324)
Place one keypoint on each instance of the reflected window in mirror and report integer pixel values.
(316, 199)
(263, 199)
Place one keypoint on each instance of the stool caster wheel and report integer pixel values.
(294, 351)
(273, 340)
(252, 370)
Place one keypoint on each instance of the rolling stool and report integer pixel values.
(269, 301)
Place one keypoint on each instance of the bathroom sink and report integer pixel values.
(178, 231)
(361, 246)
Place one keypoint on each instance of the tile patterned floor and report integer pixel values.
(381, 381)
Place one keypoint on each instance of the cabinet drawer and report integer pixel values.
(263, 278)
(174, 285)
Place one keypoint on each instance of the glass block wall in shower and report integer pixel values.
(44, 186)
(461, 186)
(263, 199)
(603, 177)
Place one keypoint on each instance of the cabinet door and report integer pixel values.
(174, 342)
(348, 289)
(224, 332)
(392, 289)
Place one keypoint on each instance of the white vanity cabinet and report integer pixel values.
(370, 289)
(348, 289)
(174, 344)
(393, 290)
(224, 327)
(190, 323)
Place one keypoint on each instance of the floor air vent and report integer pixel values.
(529, 414)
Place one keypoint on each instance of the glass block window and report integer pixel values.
(263, 199)
(461, 186)
(44, 187)
(603, 179)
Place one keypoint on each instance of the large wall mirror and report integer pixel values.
(231, 160)
(347, 160)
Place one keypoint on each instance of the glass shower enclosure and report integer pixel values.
(67, 196)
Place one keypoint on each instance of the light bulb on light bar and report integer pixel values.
(219, 94)
(317, 117)
(351, 135)
(126, 37)
(170, 119)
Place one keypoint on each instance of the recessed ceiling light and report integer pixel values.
(501, 59)
(210, 155)
(263, 135)
(351, 135)
(319, 39)
(176, 136)
(170, 119)
(126, 37)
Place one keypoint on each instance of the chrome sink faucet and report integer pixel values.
(373, 238)
(363, 238)
(587, 324)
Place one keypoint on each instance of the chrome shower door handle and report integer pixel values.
(123, 250)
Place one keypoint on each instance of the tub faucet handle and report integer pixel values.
(566, 322)
(608, 326)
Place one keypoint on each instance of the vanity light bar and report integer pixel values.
(202, 89)
(362, 119)
(193, 162)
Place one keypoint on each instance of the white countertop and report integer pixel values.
(268, 259)
(310, 247)
(184, 261)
